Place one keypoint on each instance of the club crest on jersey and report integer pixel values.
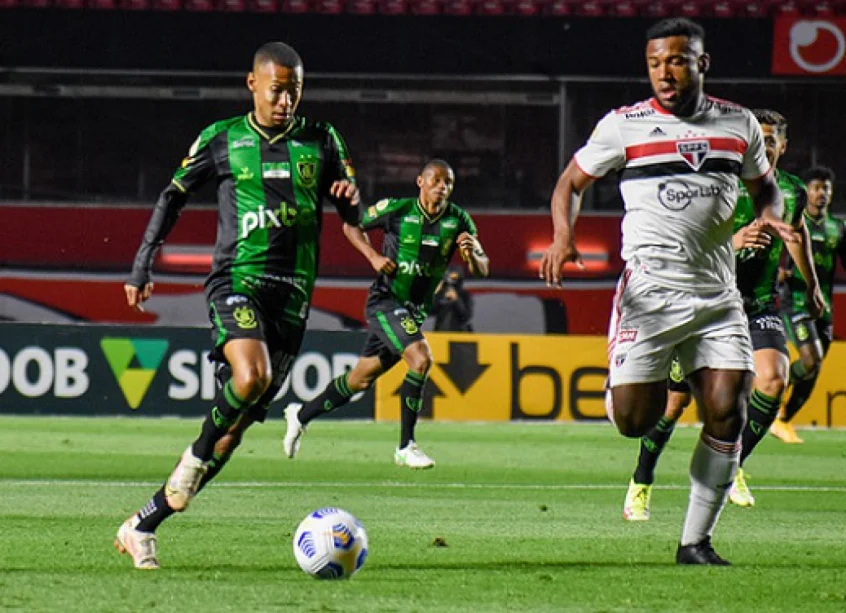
(245, 318)
(409, 326)
(694, 152)
(307, 169)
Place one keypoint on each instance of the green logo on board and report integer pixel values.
(134, 362)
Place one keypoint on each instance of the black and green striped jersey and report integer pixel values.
(270, 191)
(757, 269)
(421, 245)
(828, 243)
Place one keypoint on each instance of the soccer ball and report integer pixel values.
(330, 544)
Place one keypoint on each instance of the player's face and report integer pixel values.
(435, 185)
(276, 93)
(774, 142)
(819, 194)
(677, 66)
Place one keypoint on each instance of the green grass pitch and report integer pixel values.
(530, 515)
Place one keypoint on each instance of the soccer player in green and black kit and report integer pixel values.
(273, 171)
(421, 235)
(811, 337)
(757, 256)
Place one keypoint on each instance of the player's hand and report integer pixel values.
(815, 302)
(346, 190)
(467, 244)
(751, 236)
(558, 254)
(136, 296)
(384, 265)
(781, 229)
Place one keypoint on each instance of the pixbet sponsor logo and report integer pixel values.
(268, 218)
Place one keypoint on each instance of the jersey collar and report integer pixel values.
(429, 218)
(251, 121)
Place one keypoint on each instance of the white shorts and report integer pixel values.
(650, 324)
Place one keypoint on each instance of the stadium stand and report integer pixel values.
(727, 9)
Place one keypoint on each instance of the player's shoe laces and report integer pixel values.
(739, 493)
(700, 553)
(784, 431)
(295, 431)
(636, 507)
(141, 546)
(184, 481)
(412, 456)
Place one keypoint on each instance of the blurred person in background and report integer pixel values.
(811, 337)
(453, 304)
(420, 237)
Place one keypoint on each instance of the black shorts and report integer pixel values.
(235, 316)
(804, 330)
(675, 379)
(391, 328)
(767, 332)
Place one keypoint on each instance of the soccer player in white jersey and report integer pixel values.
(679, 155)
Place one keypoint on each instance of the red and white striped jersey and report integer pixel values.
(679, 182)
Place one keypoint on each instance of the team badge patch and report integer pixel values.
(694, 152)
(245, 317)
(307, 169)
(409, 326)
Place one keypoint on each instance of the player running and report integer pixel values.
(421, 235)
(811, 337)
(273, 171)
(679, 155)
(757, 255)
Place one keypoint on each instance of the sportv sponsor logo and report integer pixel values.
(676, 195)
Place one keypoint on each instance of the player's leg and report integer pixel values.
(418, 357)
(722, 396)
(769, 345)
(239, 332)
(812, 347)
(720, 366)
(639, 494)
(335, 395)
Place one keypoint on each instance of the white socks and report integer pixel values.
(712, 471)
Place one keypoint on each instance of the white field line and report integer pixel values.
(394, 484)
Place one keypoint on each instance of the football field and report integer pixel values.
(526, 517)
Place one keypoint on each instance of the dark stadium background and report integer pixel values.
(99, 99)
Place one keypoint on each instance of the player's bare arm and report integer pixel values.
(566, 202)
(472, 252)
(769, 205)
(358, 239)
(803, 257)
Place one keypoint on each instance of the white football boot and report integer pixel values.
(142, 546)
(413, 457)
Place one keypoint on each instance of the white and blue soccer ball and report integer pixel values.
(330, 544)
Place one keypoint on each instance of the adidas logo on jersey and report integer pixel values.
(657, 132)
